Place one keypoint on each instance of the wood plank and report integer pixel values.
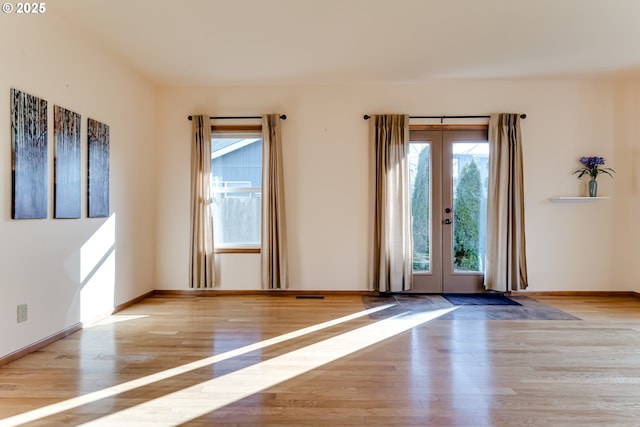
(576, 293)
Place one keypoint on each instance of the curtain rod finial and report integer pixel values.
(283, 117)
(190, 117)
(523, 116)
(366, 117)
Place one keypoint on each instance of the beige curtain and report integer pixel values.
(392, 258)
(202, 273)
(274, 237)
(506, 253)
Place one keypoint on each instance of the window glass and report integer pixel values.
(470, 170)
(236, 180)
(420, 190)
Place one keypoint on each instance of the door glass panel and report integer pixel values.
(470, 172)
(420, 186)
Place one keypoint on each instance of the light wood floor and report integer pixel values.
(282, 361)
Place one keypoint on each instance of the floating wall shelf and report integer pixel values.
(573, 199)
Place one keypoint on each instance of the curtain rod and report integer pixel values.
(442, 118)
(283, 117)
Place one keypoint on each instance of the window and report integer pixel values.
(236, 185)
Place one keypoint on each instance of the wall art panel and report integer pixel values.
(66, 131)
(98, 169)
(29, 156)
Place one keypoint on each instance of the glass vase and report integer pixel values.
(593, 188)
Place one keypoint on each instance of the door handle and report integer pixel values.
(447, 221)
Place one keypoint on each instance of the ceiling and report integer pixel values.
(217, 42)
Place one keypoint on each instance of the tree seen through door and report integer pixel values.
(470, 174)
(470, 170)
(419, 162)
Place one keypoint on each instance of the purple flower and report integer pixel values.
(592, 167)
(591, 162)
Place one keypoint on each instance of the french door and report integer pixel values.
(448, 176)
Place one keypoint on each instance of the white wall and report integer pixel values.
(55, 266)
(326, 172)
(627, 205)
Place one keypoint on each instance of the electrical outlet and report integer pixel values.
(22, 313)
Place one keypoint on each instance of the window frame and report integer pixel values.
(217, 130)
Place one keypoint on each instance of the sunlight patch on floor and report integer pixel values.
(198, 400)
(75, 402)
(115, 318)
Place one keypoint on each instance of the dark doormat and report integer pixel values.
(479, 299)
